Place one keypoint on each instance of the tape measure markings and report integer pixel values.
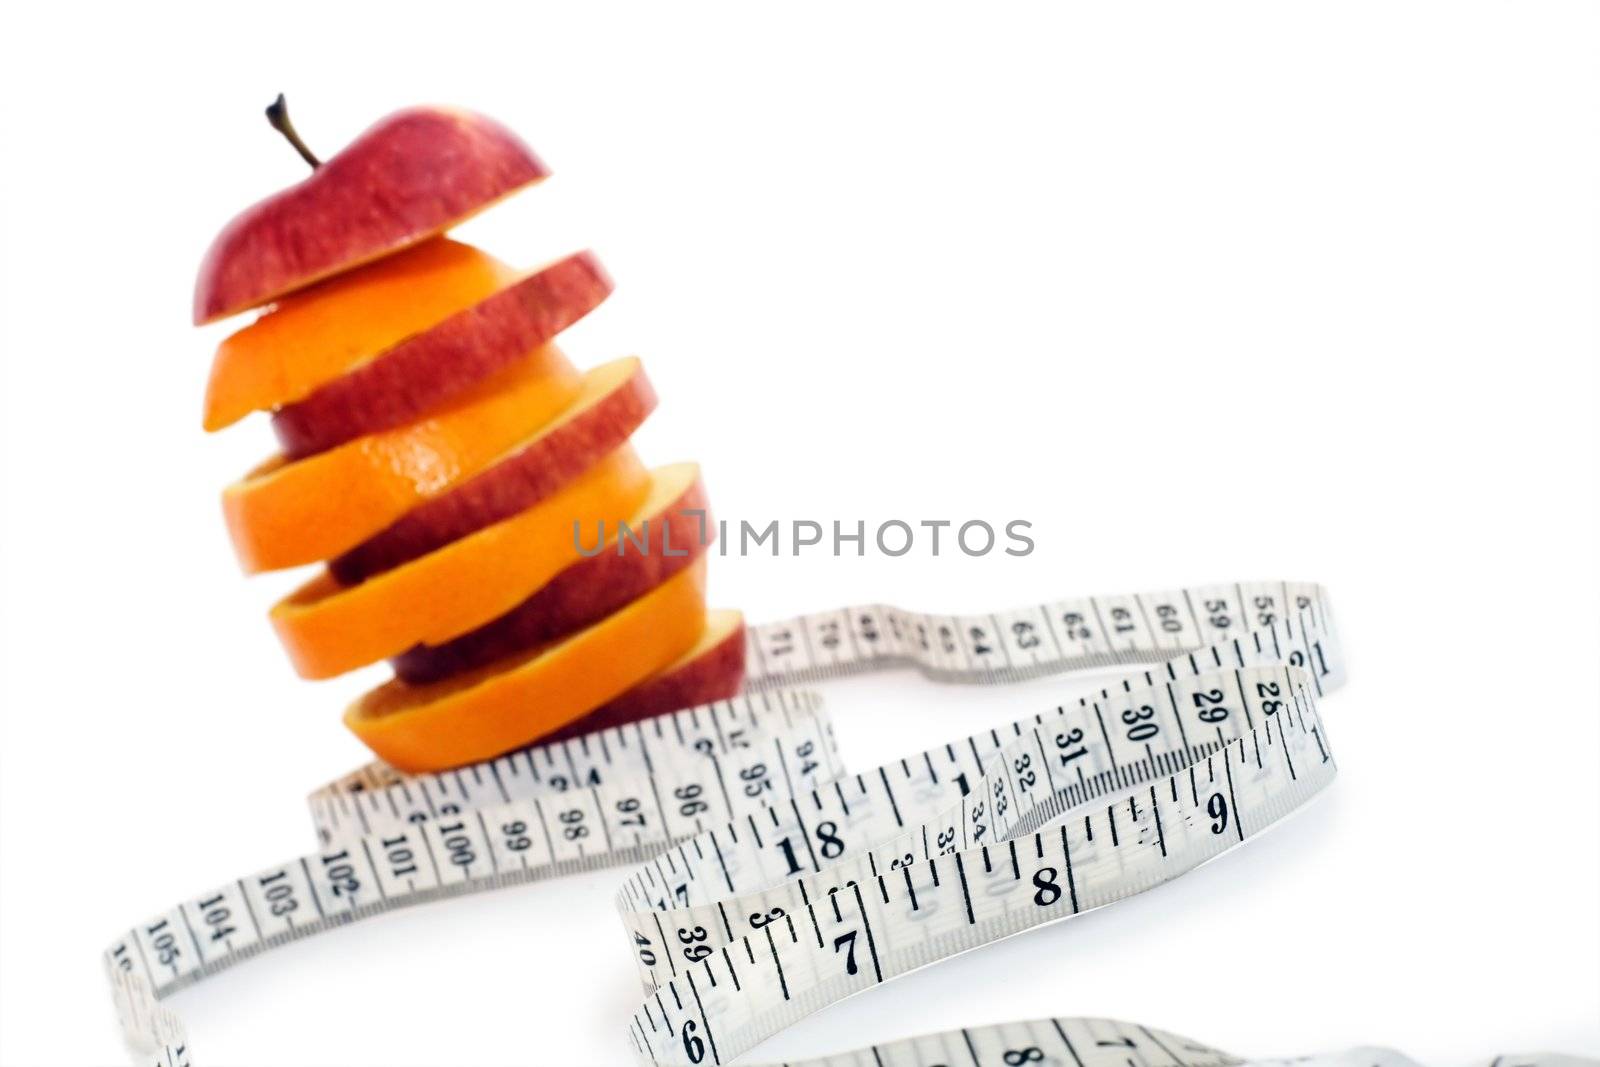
(997, 793)
(1056, 1043)
(728, 999)
(656, 790)
(1081, 1042)
(1008, 646)
(962, 761)
(475, 849)
(376, 797)
(1073, 1042)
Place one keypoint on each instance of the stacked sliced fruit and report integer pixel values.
(485, 524)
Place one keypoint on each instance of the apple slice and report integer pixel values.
(412, 175)
(328, 628)
(286, 514)
(614, 400)
(710, 671)
(672, 525)
(512, 702)
(417, 375)
(317, 334)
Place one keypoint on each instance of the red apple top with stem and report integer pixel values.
(412, 175)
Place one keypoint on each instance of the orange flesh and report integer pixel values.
(512, 702)
(328, 629)
(315, 335)
(288, 514)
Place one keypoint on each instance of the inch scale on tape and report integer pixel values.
(630, 793)
(984, 789)
(1107, 1043)
(1085, 1042)
(663, 788)
(854, 910)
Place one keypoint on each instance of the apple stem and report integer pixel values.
(278, 115)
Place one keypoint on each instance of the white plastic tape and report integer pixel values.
(1108, 1043)
(772, 883)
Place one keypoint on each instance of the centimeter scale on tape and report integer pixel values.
(774, 883)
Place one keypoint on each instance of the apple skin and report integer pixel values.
(581, 595)
(714, 672)
(425, 371)
(513, 484)
(410, 176)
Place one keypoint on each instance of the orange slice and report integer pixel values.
(328, 628)
(426, 370)
(286, 514)
(510, 703)
(314, 336)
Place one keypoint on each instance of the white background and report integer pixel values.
(1205, 293)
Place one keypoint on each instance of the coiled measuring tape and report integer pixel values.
(771, 882)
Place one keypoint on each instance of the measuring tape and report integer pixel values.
(1107, 1043)
(742, 931)
(771, 883)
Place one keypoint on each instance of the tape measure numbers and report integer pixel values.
(1031, 642)
(787, 725)
(1107, 1043)
(751, 836)
(828, 895)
